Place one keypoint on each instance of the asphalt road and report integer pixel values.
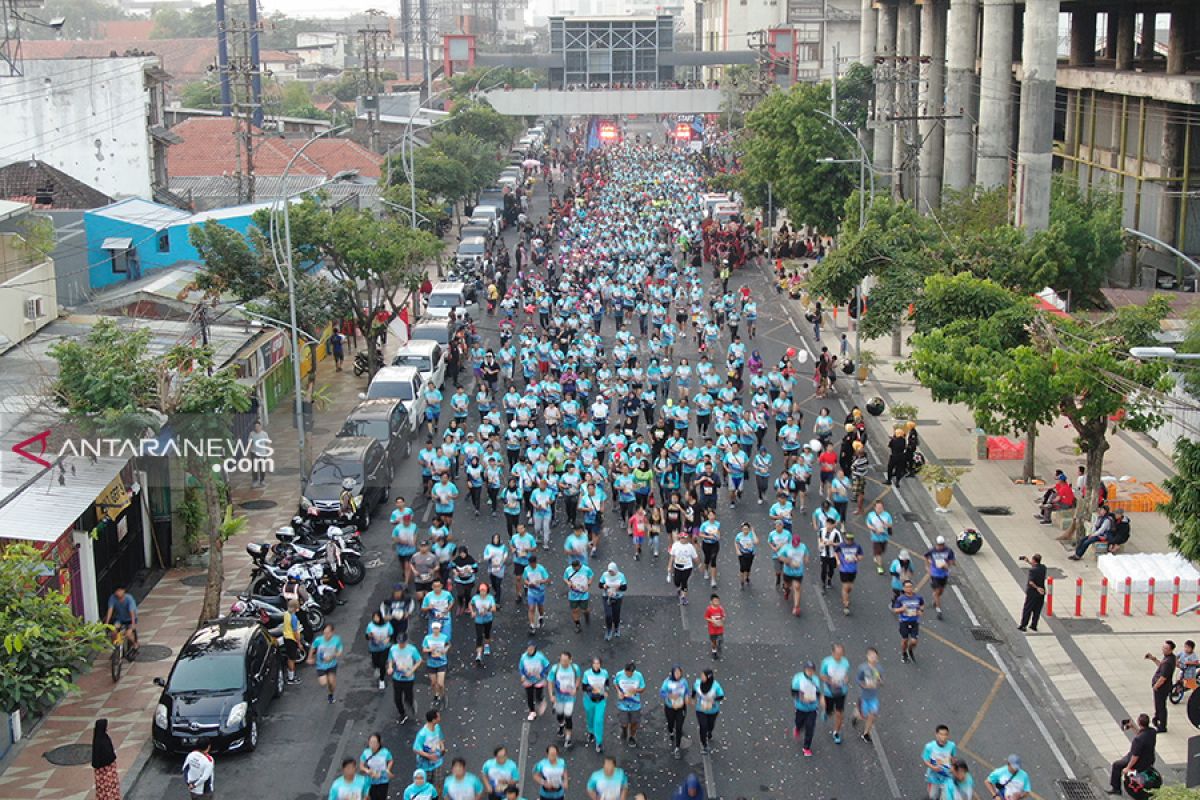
(958, 681)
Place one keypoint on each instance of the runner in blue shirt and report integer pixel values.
(420, 788)
(793, 556)
(806, 689)
(708, 696)
(608, 782)
(835, 685)
(578, 577)
(908, 607)
(403, 661)
(565, 680)
(499, 773)
(534, 667)
(868, 677)
(444, 493)
(535, 578)
(350, 785)
(879, 522)
(429, 745)
(326, 650)
(849, 554)
(376, 763)
(937, 757)
(460, 784)
(483, 612)
(550, 774)
(939, 560)
(629, 684)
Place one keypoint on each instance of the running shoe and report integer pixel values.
(837, 738)
(866, 737)
(807, 753)
(531, 716)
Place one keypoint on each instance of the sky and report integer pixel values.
(337, 9)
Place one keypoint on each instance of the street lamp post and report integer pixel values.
(1161, 354)
(866, 169)
(284, 200)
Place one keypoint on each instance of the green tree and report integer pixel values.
(788, 138)
(376, 264)
(344, 87)
(295, 100)
(201, 94)
(1183, 510)
(480, 120)
(897, 248)
(113, 385)
(45, 644)
(464, 83)
(398, 197)
(195, 23)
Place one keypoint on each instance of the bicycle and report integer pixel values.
(122, 651)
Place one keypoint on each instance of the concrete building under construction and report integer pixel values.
(987, 93)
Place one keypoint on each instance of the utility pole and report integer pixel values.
(833, 92)
(243, 74)
(427, 70)
(374, 42)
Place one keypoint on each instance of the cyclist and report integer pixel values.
(122, 613)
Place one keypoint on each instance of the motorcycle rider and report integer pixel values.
(293, 591)
(346, 502)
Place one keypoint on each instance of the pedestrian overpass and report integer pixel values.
(603, 102)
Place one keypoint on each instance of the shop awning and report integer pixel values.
(48, 505)
(116, 243)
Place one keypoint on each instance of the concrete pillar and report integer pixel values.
(868, 32)
(1125, 38)
(1177, 44)
(995, 95)
(1034, 148)
(885, 93)
(908, 50)
(1149, 33)
(961, 45)
(1069, 132)
(1110, 34)
(1083, 37)
(932, 102)
(1172, 165)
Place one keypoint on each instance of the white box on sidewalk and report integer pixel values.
(1140, 567)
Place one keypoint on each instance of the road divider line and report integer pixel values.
(710, 782)
(888, 774)
(1033, 714)
(982, 712)
(683, 620)
(523, 755)
(963, 652)
(824, 606)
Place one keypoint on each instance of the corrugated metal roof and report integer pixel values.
(142, 212)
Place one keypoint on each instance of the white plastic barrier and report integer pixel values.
(1140, 567)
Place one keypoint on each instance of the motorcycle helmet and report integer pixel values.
(286, 534)
(333, 531)
(238, 607)
(296, 574)
(349, 483)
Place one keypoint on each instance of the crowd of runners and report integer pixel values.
(591, 434)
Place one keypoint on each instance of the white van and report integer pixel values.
(403, 384)
(447, 298)
(427, 357)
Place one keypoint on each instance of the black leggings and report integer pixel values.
(828, 568)
(806, 721)
(483, 632)
(402, 692)
(497, 584)
(675, 718)
(706, 723)
(379, 661)
(612, 613)
(534, 695)
(476, 493)
(681, 578)
(511, 520)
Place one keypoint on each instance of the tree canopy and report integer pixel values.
(45, 644)
(1183, 509)
(787, 138)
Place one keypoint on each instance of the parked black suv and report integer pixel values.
(385, 420)
(221, 684)
(358, 458)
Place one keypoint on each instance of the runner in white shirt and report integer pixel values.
(683, 558)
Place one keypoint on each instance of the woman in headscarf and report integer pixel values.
(104, 764)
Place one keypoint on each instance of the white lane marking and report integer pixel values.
(710, 782)
(683, 617)
(428, 511)
(888, 774)
(1037, 720)
(824, 606)
(523, 755)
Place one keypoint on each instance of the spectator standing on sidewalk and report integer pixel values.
(1035, 592)
(1140, 756)
(1164, 678)
(260, 450)
(337, 344)
(104, 763)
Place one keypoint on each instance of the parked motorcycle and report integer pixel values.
(360, 361)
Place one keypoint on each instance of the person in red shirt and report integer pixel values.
(828, 462)
(1063, 497)
(714, 615)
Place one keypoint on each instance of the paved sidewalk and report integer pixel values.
(1095, 664)
(167, 616)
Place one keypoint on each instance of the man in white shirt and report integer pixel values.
(198, 771)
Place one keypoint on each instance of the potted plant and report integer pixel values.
(865, 361)
(942, 479)
(904, 412)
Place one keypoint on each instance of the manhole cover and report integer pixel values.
(995, 511)
(69, 755)
(195, 580)
(285, 471)
(154, 652)
(911, 516)
(986, 635)
(258, 505)
(1069, 450)
(1077, 790)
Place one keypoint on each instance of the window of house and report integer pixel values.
(164, 242)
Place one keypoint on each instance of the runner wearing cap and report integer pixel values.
(436, 647)
(1009, 781)
(940, 560)
(901, 570)
(613, 588)
(806, 694)
(908, 608)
